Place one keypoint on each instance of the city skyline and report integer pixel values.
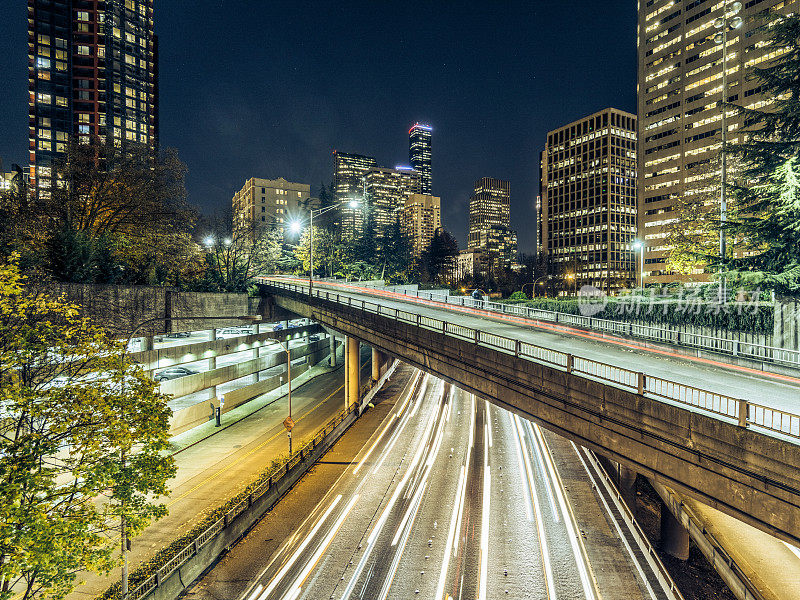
(353, 103)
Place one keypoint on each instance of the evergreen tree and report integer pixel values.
(438, 258)
(768, 188)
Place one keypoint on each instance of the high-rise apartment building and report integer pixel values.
(387, 191)
(422, 216)
(271, 202)
(680, 99)
(588, 206)
(92, 71)
(348, 184)
(419, 154)
(490, 222)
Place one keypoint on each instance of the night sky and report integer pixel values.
(270, 88)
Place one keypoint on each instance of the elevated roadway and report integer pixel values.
(724, 434)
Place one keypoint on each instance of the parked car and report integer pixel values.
(230, 332)
(179, 334)
(173, 373)
(296, 323)
(314, 337)
(277, 327)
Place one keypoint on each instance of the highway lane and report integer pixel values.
(769, 389)
(451, 499)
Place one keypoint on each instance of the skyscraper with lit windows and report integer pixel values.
(588, 202)
(490, 230)
(92, 71)
(680, 100)
(419, 154)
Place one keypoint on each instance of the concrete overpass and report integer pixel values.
(670, 418)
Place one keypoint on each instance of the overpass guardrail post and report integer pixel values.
(743, 410)
(641, 384)
(570, 362)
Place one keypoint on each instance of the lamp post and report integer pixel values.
(729, 21)
(575, 282)
(288, 423)
(297, 225)
(639, 245)
(124, 542)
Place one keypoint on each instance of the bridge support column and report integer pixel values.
(351, 367)
(146, 343)
(212, 362)
(377, 363)
(674, 536)
(332, 342)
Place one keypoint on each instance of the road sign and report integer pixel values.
(288, 423)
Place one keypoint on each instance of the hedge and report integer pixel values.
(735, 316)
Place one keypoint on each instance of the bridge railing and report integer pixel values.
(656, 333)
(743, 412)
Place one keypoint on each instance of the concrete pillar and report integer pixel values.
(377, 363)
(674, 536)
(146, 343)
(626, 482)
(332, 341)
(351, 366)
(255, 357)
(212, 336)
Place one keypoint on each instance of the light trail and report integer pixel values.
(542, 535)
(297, 586)
(290, 563)
(487, 485)
(569, 519)
(540, 462)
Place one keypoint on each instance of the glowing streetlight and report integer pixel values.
(353, 203)
(209, 241)
(639, 246)
(227, 241)
(295, 227)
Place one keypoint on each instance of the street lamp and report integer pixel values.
(288, 423)
(123, 526)
(639, 245)
(729, 21)
(575, 281)
(296, 226)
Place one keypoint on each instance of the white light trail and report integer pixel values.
(542, 535)
(487, 486)
(540, 462)
(454, 520)
(580, 560)
(297, 586)
(282, 573)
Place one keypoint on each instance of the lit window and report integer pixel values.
(61, 101)
(44, 98)
(83, 15)
(42, 63)
(83, 50)
(43, 39)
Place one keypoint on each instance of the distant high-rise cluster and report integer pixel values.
(92, 71)
(383, 196)
(490, 230)
(588, 203)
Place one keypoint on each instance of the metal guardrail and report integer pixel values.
(194, 546)
(728, 346)
(743, 412)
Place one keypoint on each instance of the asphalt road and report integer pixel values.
(215, 464)
(450, 498)
(768, 389)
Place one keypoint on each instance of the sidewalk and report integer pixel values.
(216, 463)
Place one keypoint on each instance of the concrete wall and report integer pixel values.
(747, 474)
(120, 308)
(191, 416)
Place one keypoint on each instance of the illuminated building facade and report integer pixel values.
(388, 190)
(422, 216)
(490, 223)
(92, 71)
(271, 202)
(588, 206)
(419, 154)
(680, 94)
(348, 184)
